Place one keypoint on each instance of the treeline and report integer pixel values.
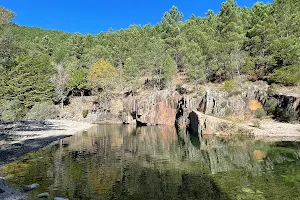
(261, 43)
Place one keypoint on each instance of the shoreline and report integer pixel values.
(20, 138)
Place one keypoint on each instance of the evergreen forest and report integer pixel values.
(40, 68)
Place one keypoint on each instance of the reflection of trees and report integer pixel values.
(109, 150)
(122, 162)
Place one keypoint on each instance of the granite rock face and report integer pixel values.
(169, 107)
(221, 103)
(286, 108)
(155, 108)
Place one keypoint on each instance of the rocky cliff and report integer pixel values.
(169, 107)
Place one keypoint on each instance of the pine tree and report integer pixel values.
(29, 81)
(169, 68)
(6, 16)
(77, 81)
(46, 45)
(260, 37)
(76, 45)
(171, 34)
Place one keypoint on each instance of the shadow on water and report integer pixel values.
(122, 162)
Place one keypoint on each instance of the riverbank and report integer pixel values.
(20, 138)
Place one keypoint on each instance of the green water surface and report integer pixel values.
(124, 162)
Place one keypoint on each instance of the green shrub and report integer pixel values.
(85, 113)
(260, 113)
(270, 106)
(289, 75)
(41, 111)
(11, 111)
(230, 86)
(256, 123)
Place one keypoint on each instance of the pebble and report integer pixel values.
(43, 195)
(27, 188)
(1, 191)
(59, 198)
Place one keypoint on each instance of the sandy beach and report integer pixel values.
(20, 138)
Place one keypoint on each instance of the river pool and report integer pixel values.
(125, 162)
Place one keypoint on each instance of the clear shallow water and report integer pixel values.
(122, 162)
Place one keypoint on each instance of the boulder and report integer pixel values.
(43, 195)
(28, 188)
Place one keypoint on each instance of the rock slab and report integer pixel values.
(43, 195)
(28, 188)
(59, 198)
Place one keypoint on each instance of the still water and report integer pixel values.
(124, 162)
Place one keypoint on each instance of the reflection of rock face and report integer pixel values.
(227, 155)
(258, 154)
(151, 143)
(143, 163)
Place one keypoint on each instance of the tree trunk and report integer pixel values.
(62, 104)
(81, 94)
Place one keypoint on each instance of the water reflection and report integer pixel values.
(124, 162)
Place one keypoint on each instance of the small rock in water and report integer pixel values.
(43, 195)
(27, 188)
(1, 191)
(59, 198)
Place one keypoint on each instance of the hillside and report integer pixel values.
(40, 68)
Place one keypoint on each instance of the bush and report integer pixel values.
(256, 123)
(181, 90)
(41, 111)
(289, 75)
(260, 113)
(270, 106)
(231, 87)
(11, 111)
(85, 113)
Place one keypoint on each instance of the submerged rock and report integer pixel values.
(27, 188)
(43, 195)
(8, 192)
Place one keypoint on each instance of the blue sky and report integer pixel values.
(95, 16)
